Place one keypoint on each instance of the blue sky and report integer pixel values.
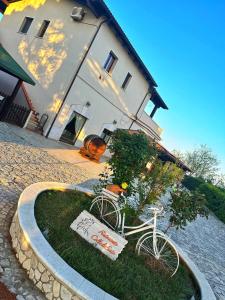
(183, 45)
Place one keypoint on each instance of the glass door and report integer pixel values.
(73, 128)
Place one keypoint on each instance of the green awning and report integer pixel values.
(10, 66)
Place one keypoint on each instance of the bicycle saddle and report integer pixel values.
(156, 209)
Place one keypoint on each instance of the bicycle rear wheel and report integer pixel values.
(164, 258)
(106, 211)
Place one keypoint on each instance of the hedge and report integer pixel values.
(215, 196)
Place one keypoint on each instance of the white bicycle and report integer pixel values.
(154, 244)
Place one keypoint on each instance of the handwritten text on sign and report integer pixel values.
(98, 234)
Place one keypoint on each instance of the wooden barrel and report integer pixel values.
(94, 146)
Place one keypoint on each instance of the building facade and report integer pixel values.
(89, 78)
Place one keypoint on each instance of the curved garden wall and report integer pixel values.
(48, 271)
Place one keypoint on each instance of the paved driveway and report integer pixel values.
(204, 242)
(22, 164)
(26, 158)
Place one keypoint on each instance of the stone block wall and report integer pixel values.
(36, 270)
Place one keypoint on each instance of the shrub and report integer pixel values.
(131, 152)
(130, 155)
(215, 199)
(215, 196)
(156, 182)
(192, 183)
(185, 206)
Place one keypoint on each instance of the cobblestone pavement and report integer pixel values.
(204, 242)
(21, 164)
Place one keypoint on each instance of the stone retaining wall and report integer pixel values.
(36, 270)
(49, 272)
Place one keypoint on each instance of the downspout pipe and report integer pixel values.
(76, 73)
(139, 108)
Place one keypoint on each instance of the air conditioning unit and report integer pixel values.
(78, 14)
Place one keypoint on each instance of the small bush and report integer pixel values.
(130, 155)
(215, 199)
(215, 196)
(192, 183)
(185, 206)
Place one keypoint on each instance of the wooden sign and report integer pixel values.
(99, 235)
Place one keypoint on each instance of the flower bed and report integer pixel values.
(56, 278)
(126, 278)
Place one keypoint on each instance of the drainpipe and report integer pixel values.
(139, 108)
(76, 73)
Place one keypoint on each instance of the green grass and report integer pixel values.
(126, 278)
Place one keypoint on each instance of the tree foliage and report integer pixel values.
(130, 155)
(192, 183)
(201, 161)
(185, 206)
(156, 182)
(215, 195)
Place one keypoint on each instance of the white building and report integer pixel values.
(89, 78)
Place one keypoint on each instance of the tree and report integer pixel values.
(202, 162)
(130, 155)
(185, 206)
(155, 183)
(219, 181)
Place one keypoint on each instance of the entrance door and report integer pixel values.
(73, 128)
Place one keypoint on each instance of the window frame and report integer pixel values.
(106, 135)
(22, 26)
(43, 28)
(126, 81)
(110, 62)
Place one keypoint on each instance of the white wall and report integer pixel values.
(53, 60)
(109, 86)
(98, 114)
(109, 102)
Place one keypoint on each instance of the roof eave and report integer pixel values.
(10, 66)
(99, 8)
(157, 99)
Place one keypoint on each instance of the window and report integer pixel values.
(126, 81)
(106, 135)
(43, 28)
(110, 62)
(26, 25)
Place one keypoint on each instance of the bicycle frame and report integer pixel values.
(149, 224)
(159, 240)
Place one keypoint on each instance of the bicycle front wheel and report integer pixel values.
(163, 256)
(106, 211)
